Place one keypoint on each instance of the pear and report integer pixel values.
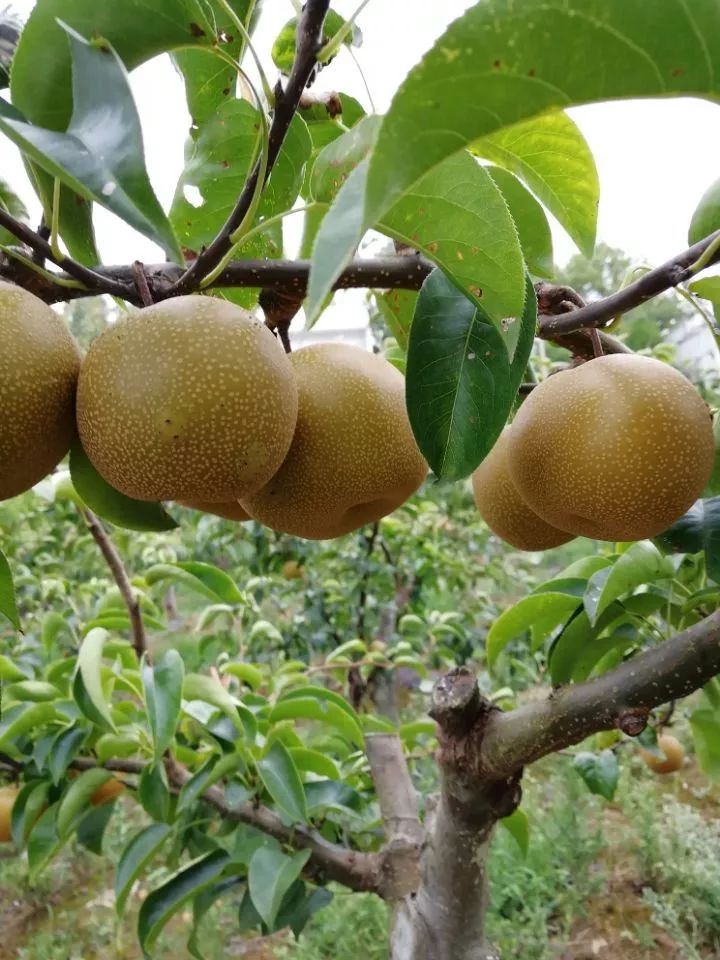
(353, 458)
(229, 511)
(616, 449)
(190, 399)
(39, 366)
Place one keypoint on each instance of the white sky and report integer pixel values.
(655, 158)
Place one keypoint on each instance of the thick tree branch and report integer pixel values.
(404, 833)
(667, 672)
(308, 43)
(356, 870)
(119, 573)
(650, 285)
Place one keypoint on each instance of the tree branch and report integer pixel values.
(356, 870)
(308, 43)
(119, 573)
(667, 672)
(650, 285)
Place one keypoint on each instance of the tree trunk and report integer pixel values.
(445, 918)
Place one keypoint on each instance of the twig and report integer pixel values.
(95, 282)
(653, 283)
(141, 282)
(117, 568)
(309, 42)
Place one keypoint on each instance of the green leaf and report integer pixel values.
(245, 672)
(594, 658)
(705, 725)
(336, 161)
(112, 746)
(324, 711)
(642, 563)
(65, 747)
(201, 904)
(76, 799)
(217, 580)
(298, 907)
(270, 875)
(552, 156)
(8, 604)
(283, 49)
(101, 161)
(43, 842)
(11, 202)
(397, 308)
(282, 781)
(706, 218)
(199, 687)
(87, 685)
(460, 383)
(217, 166)
(209, 773)
(518, 826)
(542, 611)
(698, 529)
(163, 684)
(713, 487)
(35, 690)
(91, 829)
(154, 794)
(29, 804)
(507, 55)
(135, 857)
(8, 670)
(579, 639)
(600, 771)
(530, 220)
(313, 761)
(23, 718)
(160, 905)
(109, 503)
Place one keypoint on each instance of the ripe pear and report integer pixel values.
(107, 792)
(504, 510)
(353, 458)
(229, 511)
(39, 365)
(8, 795)
(292, 570)
(615, 449)
(673, 755)
(189, 399)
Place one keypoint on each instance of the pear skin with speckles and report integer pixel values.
(617, 448)
(191, 399)
(228, 511)
(504, 510)
(353, 458)
(39, 366)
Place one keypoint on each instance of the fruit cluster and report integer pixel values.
(617, 448)
(194, 400)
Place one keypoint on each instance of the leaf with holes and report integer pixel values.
(460, 383)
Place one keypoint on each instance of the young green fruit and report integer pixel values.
(615, 449)
(229, 511)
(39, 365)
(353, 458)
(504, 510)
(190, 399)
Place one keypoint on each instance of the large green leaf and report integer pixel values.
(324, 711)
(705, 726)
(199, 687)
(76, 799)
(43, 842)
(600, 771)
(460, 383)
(163, 684)
(551, 155)
(282, 781)
(270, 875)
(22, 718)
(541, 610)
(87, 683)
(706, 218)
(160, 905)
(642, 563)
(217, 166)
(532, 225)
(109, 503)
(8, 603)
(135, 857)
(698, 529)
(101, 155)
(29, 804)
(506, 53)
(578, 639)
(518, 826)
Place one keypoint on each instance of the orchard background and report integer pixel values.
(218, 739)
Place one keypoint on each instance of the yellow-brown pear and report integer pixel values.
(673, 754)
(616, 449)
(39, 365)
(504, 510)
(190, 399)
(8, 796)
(353, 458)
(228, 511)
